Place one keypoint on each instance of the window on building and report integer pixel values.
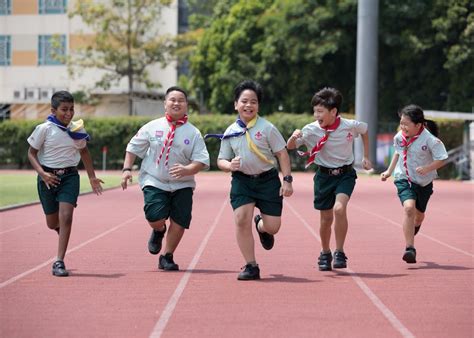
(52, 6)
(5, 7)
(51, 50)
(5, 50)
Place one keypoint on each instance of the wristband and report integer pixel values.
(126, 169)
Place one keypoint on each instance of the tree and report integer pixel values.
(126, 41)
(292, 47)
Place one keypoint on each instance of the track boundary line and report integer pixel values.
(20, 227)
(49, 261)
(386, 312)
(169, 308)
(419, 234)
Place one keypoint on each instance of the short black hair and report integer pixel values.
(250, 85)
(327, 97)
(176, 89)
(60, 97)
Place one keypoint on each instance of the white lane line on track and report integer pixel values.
(389, 315)
(19, 227)
(420, 234)
(168, 310)
(51, 260)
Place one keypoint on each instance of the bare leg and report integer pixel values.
(173, 236)
(409, 222)
(340, 224)
(66, 211)
(243, 230)
(326, 217)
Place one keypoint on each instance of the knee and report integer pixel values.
(339, 210)
(409, 210)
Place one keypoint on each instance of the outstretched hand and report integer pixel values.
(96, 185)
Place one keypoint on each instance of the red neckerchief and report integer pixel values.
(405, 144)
(170, 137)
(317, 148)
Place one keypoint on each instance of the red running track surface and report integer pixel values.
(116, 290)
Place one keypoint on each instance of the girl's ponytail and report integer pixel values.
(432, 127)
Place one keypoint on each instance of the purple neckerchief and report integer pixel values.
(73, 134)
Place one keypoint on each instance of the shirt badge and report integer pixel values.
(258, 135)
(186, 141)
(424, 148)
(158, 133)
(349, 136)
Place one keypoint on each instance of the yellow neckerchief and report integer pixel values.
(252, 146)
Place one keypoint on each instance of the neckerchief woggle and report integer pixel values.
(317, 148)
(245, 127)
(170, 137)
(72, 129)
(405, 144)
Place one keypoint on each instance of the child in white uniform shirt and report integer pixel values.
(418, 153)
(56, 147)
(173, 151)
(330, 139)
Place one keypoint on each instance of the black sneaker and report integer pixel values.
(266, 239)
(410, 255)
(417, 228)
(154, 243)
(324, 261)
(250, 272)
(59, 269)
(166, 263)
(340, 259)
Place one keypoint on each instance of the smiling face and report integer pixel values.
(247, 105)
(408, 127)
(324, 116)
(64, 113)
(176, 104)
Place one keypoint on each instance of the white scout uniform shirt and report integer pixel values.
(337, 151)
(422, 152)
(188, 146)
(266, 137)
(56, 149)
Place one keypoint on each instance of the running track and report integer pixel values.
(115, 289)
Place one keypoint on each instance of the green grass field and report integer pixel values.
(21, 188)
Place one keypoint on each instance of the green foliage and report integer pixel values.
(126, 40)
(115, 133)
(295, 47)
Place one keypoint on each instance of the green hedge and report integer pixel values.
(114, 133)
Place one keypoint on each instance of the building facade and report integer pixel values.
(33, 33)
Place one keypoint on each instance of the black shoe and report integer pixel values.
(410, 255)
(59, 269)
(417, 229)
(324, 261)
(266, 239)
(166, 263)
(154, 243)
(340, 259)
(250, 272)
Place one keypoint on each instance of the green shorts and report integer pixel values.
(414, 192)
(327, 186)
(263, 190)
(161, 204)
(67, 191)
